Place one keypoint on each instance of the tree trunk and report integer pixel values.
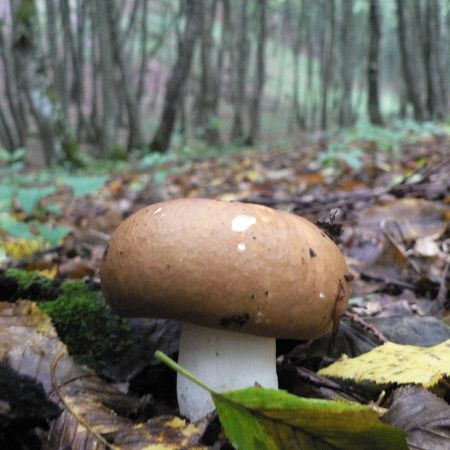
(178, 77)
(106, 70)
(135, 136)
(409, 76)
(260, 75)
(373, 67)
(326, 62)
(431, 39)
(296, 45)
(32, 81)
(206, 127)
(12, 93)
(347, 35)
(240, 56)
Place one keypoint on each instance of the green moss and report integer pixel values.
(26, 279)
(94, 335)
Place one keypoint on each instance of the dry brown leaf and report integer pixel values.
(91, 407)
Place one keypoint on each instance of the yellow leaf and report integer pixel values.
(23, 248)
(50, 272)
(394, 363)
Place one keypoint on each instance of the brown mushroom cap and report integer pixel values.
(235, 266)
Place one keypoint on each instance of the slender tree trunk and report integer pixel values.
(432, 41)
(260, 75)
(240, 56)
(373, 66)
(79, 68)
(409, 76)
(32, 82)
(347, 35)
(6, 134)
(135, 137)
(326, 63)
(144, 51)
(427, 38)
(178, 77)
(106, 69)
(296, 46)
(208, 80)
(309, 99)
(12, 93)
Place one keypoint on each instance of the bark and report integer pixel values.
(144, 51)
(260, 75)
(280, 56)
(442, 58)
(178, 77)
(32, 81)
(78, 63)
(240, 56)
(308, 101)
(6, 133)
(296, 46)
(347, 49)
(373, 67)
(106, 71)
(431, 40)
(326, 61)
(135, 137)
(409, 75)
(205, 119)
(12, 93)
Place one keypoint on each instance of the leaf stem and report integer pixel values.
(181, 370)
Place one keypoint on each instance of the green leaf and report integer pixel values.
(271, 419)
(28, 198)
(52, 235)
(6, 194)
(14, 228)
(85, 185)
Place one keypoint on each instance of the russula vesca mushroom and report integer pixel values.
(237, 275)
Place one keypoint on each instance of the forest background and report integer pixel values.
(105, 80)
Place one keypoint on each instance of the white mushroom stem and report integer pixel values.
(224, 360)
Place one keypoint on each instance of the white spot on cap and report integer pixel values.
(157, 211)
(322, 295)
(242, 222)
(241, 246)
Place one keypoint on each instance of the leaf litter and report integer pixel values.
(394, 210)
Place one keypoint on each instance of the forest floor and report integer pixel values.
(389, 208)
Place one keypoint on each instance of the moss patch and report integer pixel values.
(93, 334)
(16, 283)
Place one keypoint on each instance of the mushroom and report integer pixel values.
(236, 275)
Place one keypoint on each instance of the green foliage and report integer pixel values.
(52, 235)
(26, 279)
(84, 185)
(14, 228)
(32, 230)
(349, 146)
(12, 157)
(92, 332)
(28, 198)
(271, 419)
(338, 154)
(156, 159)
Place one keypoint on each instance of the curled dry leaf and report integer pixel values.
(424, 417)
(92, 408)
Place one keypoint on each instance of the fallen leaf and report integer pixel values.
(92, 408)
(261, 418)
(395, 364)
(424, 417)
